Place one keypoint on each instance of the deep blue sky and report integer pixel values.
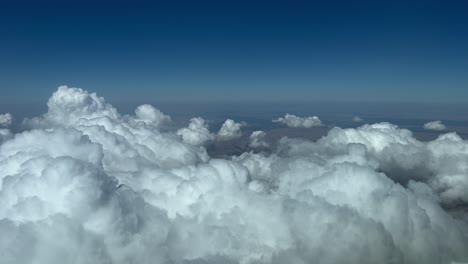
(160, 51)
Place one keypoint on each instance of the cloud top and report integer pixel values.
(299, 122)
(100, 187)
(257, 139)
(149, 114)
(230, 130)
(196, 133)
(435, 126)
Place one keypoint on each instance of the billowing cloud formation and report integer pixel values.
(295, 121)
(6, 120)
(99, 187)
(257, 139)
(69, 106)
(357, 119)
(435, 125)
(196, 133)
(229, 130)
(151, 115)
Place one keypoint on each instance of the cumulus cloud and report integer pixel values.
(68, 106)
(357, 119)
(151, 115)
(257, 139)
(99, 187)
(435, 126)
(6, 120)
(230, 130)
(197, 132)
(299, 122)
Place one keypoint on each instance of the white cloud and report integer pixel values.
(151, 115)
(68, 105)
(435, 125)
(6, 120)
(230, 130)
(99, 187)
(257, 140)
(357, 119)
(297, 122)
(196, 133)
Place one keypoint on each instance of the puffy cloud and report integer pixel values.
(295, 121)
(196, 133)
(434, 125)
(230, 130)
(348, 187)
(128, 145)
(257, 139)
(357, 119)
(68, 105)
(104, 188)
(440, 163)
(151, 115)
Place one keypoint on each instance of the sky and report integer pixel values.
(233, 132)
(236, 51)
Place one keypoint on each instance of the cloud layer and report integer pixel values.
(299, 122)
(85, 184)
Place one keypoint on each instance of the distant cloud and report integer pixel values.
(6, 120)
(299, 122)
(357, 119)
(435, 126)
(151, 115)
(196, 133)
(230, 130)
(257, 139)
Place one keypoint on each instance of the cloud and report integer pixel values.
(435, 125)
(99, 187)
(439, 163)
(6, 120)
(257, 140)
(151, 115)
(196, 133)
(67, 106)
(357, 119)
(299, 122)
(230, 130)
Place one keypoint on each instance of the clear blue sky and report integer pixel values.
(400, 51)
